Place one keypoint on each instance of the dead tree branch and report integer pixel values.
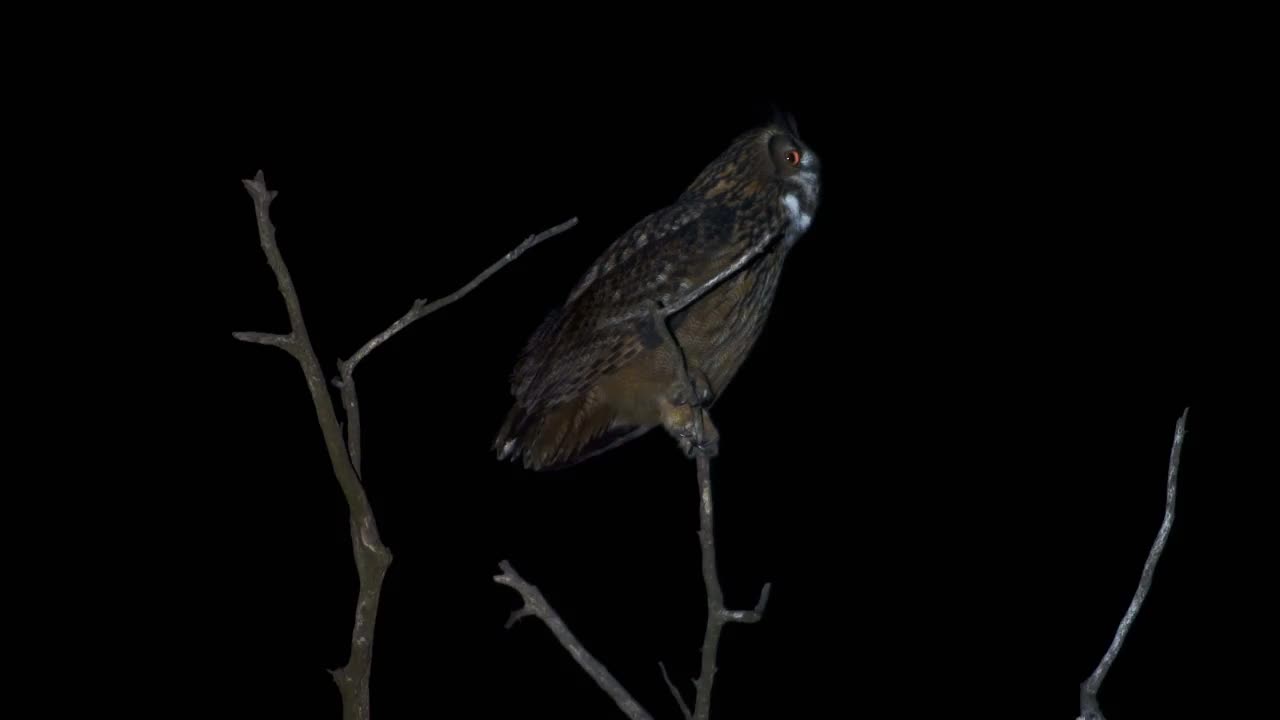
(536, 605)
(420, 309)
(371, 556)
(717, 614)
(1089, 709)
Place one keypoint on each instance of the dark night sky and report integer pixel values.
(947, 453)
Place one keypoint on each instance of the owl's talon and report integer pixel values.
(709, 448)
(710, 445)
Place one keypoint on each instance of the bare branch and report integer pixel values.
(717, 615)
(751, 616)
(285, 342)
(420, 309)
(536, 605)
(1089, 709)
(371, 556)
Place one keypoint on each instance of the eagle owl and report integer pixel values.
(598, 372)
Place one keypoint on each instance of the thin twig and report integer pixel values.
(1089, 709)
(684, 707)
(285, 342)
(717, 615)
(420, 309)
(537, 606)
(371, 556)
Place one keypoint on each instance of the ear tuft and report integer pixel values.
(784, 119)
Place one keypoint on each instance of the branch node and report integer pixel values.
(352, 679)
(535, 604)
(517, 616)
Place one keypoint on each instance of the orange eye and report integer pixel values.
(793, 158)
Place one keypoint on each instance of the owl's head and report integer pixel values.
(793, 162)
(768, 163)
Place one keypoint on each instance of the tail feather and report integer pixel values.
(561, 436)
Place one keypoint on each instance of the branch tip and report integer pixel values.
(764, 598)
(257, 186)
(261, 338)
(422, 307)
(1089, 689)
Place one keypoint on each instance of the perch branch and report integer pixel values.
(371, 556)
(420, 309)
(1089, 708)
(537, 606)
(717, 614)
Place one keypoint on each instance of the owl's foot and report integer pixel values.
(681, 422)
(710, 446)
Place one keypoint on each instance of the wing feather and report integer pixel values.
(583, 341)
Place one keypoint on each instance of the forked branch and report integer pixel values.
(537, 606)
(420, 309)
(371, 556)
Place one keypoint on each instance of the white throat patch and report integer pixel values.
(800, 220)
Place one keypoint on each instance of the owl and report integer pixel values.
(598, 372)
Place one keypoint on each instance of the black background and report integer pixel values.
(947, 452)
